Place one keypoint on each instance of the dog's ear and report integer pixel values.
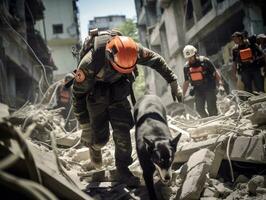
(149, 143)
(175, 141)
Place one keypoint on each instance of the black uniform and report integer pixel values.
(201, 76)
(245, 56)
(102, 98)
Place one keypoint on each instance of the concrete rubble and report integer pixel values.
(220, 157)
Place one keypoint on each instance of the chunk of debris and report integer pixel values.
(254, 183)
(197, 168)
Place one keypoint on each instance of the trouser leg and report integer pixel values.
(211, 102)
(100, 133)
(99, 122)
(258, 80)
(200, 104)
(121, 121)
(246, 78)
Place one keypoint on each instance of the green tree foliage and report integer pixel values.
(129, 28)
(139, 84)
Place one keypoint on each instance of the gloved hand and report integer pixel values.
(221, 90)
(86, 137)
(192, 92)
(176, 91)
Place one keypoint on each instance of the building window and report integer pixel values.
(263, 7)
(57, 28)
(206, 6)
(189, 14)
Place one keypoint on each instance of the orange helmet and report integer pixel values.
(122, 53)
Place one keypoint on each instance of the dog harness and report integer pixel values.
(151, 115)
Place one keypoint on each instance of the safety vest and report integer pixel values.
(196, 73)
(245, 55)
(64, 95)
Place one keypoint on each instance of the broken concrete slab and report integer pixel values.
(70, 139)
(257, 99)
(210, 192)
(81, 155)
(198, 166)
(259, 115)
(4, 112)
(242, 148)
(185, 151)
(219, 153)
(248, 149)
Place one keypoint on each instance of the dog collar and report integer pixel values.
(152, 115)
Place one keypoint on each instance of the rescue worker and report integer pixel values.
(246, 62)
(63, 96)
(262, 44)
(100, 91)
(201, 74)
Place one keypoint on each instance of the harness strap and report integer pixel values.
(151, 115)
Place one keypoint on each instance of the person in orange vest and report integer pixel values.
(200, 72)
(247, 59)
(64, 95)
(100, 90)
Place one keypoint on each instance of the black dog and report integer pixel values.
(154, 144)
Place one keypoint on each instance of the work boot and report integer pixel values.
(124, 175)
(96, 157)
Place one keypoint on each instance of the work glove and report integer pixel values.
(176, 91)
(192, 92)
(221, 90)
(86, 135)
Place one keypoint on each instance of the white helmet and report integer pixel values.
(189, 51)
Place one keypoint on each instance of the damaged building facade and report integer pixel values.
(166, 26)
(60, 27)
(106, 22)
(21, 74)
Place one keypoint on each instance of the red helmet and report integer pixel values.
(122, 53)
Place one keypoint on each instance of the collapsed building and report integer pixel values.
(24, 56)
(221, 157)
(166, 26)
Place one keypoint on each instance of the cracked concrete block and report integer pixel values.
(254, 183)
(81, 154)
(198, 166)
(209, 198)
(210, 192)
(246, 149)
(241, 179)
(219, 155)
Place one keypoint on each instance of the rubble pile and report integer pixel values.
(220, 157)
(223, 157)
